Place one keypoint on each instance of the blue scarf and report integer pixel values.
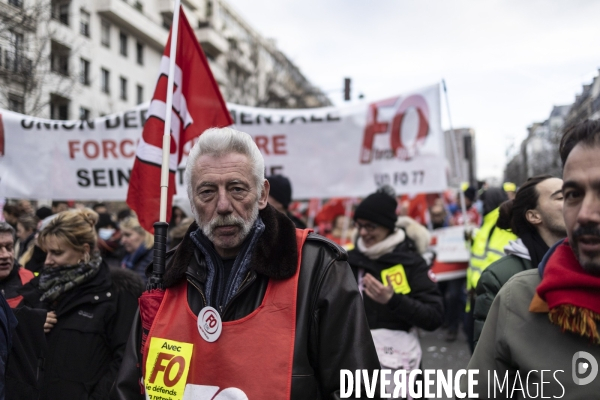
(131, 259)
(218, 292)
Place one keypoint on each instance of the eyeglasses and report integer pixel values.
(369, 227)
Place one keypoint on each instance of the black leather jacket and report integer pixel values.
(331, 327)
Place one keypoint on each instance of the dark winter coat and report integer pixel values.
(37, 260)
(331, 327)
(24, 370)
(8, 323)
(423, 307)
(141, 263)
(12, 283)
(297, 221)
(85, 347)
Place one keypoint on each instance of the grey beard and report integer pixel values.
(219, 220)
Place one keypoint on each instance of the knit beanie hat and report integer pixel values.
(281, 189)
(105, 220)
(470, 193)
(43, 212)
(379, 208)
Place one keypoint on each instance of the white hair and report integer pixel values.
(218, 142)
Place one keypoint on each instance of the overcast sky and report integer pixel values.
(506, 63)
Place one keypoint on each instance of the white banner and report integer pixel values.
(451, 246)
(326, 152)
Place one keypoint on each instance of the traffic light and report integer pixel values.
(347, 89)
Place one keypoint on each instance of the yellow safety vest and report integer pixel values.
(488, 246)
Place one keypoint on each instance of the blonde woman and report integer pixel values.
(90, 307)
(138, 244)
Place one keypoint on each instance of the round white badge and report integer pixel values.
(209, 324)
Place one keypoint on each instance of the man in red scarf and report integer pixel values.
(541, 338)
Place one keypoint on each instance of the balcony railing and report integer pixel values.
(15, 62)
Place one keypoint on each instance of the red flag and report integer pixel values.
(197, 106)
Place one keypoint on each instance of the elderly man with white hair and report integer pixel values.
(254, 308)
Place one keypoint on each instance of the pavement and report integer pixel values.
(439, 354)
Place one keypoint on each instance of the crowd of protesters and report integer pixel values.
(71, 275)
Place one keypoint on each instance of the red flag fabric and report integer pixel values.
(197, 106)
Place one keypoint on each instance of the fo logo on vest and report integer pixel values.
(209, 324)
(174, 368)
(168, 365)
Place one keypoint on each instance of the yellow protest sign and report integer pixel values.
(397, 277)
(167, 368)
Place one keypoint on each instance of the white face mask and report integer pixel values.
(105, 233)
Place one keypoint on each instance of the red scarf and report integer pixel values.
(572, 294)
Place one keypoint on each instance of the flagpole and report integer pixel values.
(166, 146)
(161, 227)
(456, 161)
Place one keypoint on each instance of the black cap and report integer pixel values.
(281, 189)
(124, 213)
(104, 220)
(470, 193)
(379, 208)
(43, 212)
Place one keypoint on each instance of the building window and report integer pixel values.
(16, 103)
(140, 94)
(16, 41)
(15, 50)
(105, 33)
(60, 11)
(84, 114)
(16, 3)
(123, 44)
(139, 51)
(123, 90)
(84, 72)
(12, 59)
(166, 23)
(209, 9)
(84, 23)
(59, 58)
(105, 80)
(59, 107)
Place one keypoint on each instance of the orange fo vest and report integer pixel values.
(25, 276)
(253, 357)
